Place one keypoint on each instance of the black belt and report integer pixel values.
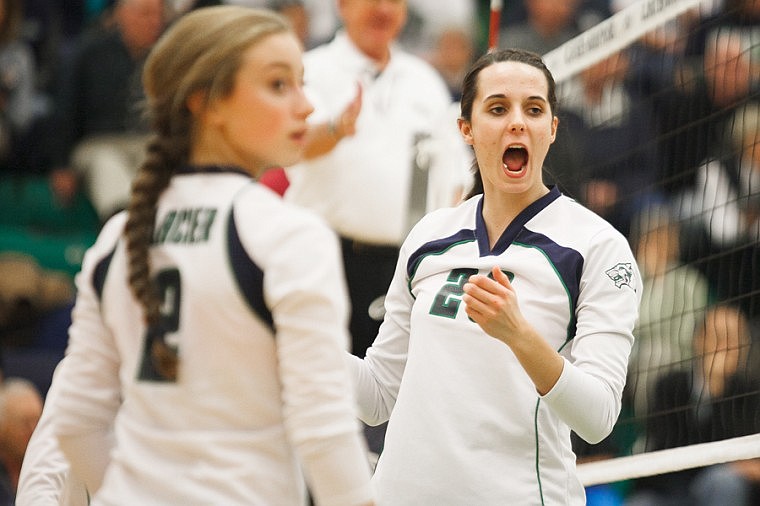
(368, 249)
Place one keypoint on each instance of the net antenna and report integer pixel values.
(494, 20)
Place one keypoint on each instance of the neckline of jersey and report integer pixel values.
(211, 169)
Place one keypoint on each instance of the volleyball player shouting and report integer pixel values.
(509, 319)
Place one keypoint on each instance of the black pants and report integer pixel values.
(369, 270)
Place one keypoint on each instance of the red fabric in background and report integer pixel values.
(276, 179)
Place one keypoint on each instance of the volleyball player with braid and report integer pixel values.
(205, 356)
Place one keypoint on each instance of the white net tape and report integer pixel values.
(667, 461)
(613, 34)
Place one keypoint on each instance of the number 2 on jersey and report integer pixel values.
(448, 299)
(170, 290)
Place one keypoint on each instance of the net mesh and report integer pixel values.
(659, 134)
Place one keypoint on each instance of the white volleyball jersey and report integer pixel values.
(466, 423)
(255, 302)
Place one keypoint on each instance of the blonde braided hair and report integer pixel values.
(201, 52)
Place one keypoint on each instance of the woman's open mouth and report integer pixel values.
(514, 160)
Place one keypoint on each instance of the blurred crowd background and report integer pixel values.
(661, 139)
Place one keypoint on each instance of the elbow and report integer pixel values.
(595, 436)
(596, 429)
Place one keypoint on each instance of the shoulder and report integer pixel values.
(570, 224)
(462, 213)
(573, 219)
(329, 53)
(320, 50)
(97, 258)
(444, 222)
(263, 214)
(110, 233)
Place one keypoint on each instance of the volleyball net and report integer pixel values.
(658, 133)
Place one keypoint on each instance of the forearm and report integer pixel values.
(372, 409)
(539, 360)
(586, 403)
(89, 455)
(338, 471)
(322, 139)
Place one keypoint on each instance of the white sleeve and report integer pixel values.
(45, 479)
(89, 392)
(377, 377)
(307, 296)
(588, 394)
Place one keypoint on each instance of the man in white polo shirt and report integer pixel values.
(383, 149)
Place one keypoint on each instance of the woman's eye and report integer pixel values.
(497, 109)
(279, 84)
(535, 111)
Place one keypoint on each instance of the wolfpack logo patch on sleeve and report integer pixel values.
(622, 275)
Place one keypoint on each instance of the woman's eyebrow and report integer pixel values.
(502, 96)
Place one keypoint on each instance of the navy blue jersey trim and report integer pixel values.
(514, 228)
(211, 169)
(436, 248)
(100, 272)
(248, 275)
(567, 262)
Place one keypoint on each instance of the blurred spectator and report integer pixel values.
(452, 54)
(21, 105)
(27, 292)
(315, 21)
(97, 131)
(717, 399)
(428, 19)
(608, 159)
(718, 71)
(323, 20)
(295, 11)
(549, 24)
(724, 199)
(674, 297)
(722, 207)
(20, 409)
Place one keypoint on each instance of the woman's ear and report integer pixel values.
(196, 102)
(555, 124)
(465, 128)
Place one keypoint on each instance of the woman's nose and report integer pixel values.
(516, 123)
(305, 107)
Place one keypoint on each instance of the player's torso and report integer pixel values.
(228, 393)
(457, 373)
(206, 315)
